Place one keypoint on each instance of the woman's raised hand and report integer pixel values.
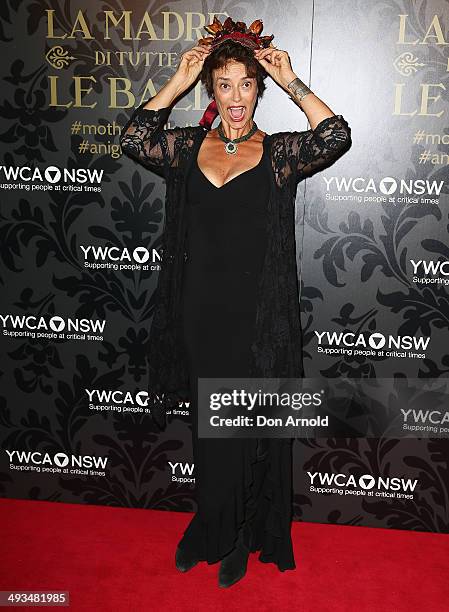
(277, 63)
(191, 64)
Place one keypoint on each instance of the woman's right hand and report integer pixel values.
(191, 64)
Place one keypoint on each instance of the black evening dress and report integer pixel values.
(225, 247)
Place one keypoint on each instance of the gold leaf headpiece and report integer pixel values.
(236, 30)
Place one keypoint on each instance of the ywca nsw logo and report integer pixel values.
(51, 327)
(364, 485)
(56, 463)
(374, 344)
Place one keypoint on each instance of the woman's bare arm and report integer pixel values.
(188, 70)
(144, 137)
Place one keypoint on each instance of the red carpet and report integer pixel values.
(123, 559)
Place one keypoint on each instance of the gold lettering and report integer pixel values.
(190, 27)
(50, 24)
(127, 91)
(401, 39)
(438, 33)
(79, 89)
(425, 99)
(84, 27)
(54, 93)
(166, 15)
(115, 91)
(434, 32)
(174, 26)
(150, 29)
(109, 16)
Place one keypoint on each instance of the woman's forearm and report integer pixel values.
(166, 95)
(314, 108)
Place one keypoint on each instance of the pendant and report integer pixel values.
(231, 148)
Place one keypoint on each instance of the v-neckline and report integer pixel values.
(238, 175)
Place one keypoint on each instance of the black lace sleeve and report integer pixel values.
(313, 150)
(144, 138)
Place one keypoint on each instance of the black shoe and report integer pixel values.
(233, 566)
(184, 560)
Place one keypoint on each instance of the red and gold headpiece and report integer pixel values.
(235, 30)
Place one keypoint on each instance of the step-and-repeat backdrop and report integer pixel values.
(80, 229)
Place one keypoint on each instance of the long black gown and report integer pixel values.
(226, 243)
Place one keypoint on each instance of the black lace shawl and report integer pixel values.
(292, 156)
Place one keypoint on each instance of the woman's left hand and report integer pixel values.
(277, 64)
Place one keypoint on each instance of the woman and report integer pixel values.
(228, 293)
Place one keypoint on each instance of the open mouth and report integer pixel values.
(237, 112)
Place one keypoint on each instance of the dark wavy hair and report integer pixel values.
(231, 50)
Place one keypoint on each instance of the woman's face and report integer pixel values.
(233, 88)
